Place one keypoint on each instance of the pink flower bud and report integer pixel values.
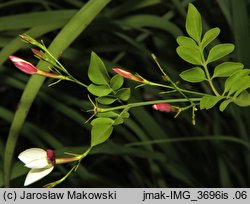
(128, 75)
(29, 68)
(23, 65)
(26, 38)
(30, 40)
(163, 107)
(38, 53)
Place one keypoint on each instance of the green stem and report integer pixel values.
(80, 83)
(55, 183)
(160, 85)
(192, 92)
(170, 80)
(82, 156)
(170, 87)
(60, 66)
(85, 153)
(76, 81)
(145, 103)
(209, 79)
(74, 168)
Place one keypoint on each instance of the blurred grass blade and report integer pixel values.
(66, 36)
(16, 2)
(225, 8)
(179, 6)
(28, 20)
(139, 21)
(132, 5)
(31, 129)
(224, 175)
(240, 29)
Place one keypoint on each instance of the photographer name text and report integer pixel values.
(69, 195)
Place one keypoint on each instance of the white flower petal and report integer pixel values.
(32, 154)
(36, 174)
(38, 163)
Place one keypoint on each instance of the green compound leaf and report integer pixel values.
(101, 130)
(209, 36)
(186, 42)
(109, 114)
(125, 114)
(224, 104)
(116, 82)
(243, 99)
(194, 75)
(209, 101)
(239, 86)
(193, 23)
(97, 71)
(99, 90)
(190, 55)
(106, 100)
(123, 94)
(219, 51)
(226, 69)
(118, 121)
(233, 79)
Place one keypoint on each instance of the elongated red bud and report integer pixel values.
(128, 75)
(23, 65)
(29, 68)
(163, 107)
(38, 53)
(26, 38)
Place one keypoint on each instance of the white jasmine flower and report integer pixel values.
(40, 161)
